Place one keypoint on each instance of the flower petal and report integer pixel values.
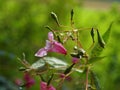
(48, 45)
(29, 81)
(75, 60)
(43, 86)
(58, 47)
(50, 36)
(41, 52)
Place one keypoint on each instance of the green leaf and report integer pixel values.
(94, 81)
(46, 63)
(107, 33)
(55, 63)
(39, 66)
(58, 64)
(97, 49)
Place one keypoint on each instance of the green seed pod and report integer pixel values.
(69, 69)
(54, 16)
(81, 51)
(72, 13)
(76, 55)
(100, 40)
(22, 69)
(59, 40)
(48, 28)
(49, 81)
(92, 34)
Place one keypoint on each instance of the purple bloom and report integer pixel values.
(75, 60)
(18, 81)
(29, 81)
(50, 36)
(51, 46)
(63, 76)
(43, 86)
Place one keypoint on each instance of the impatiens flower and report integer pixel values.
(18, 81)
(44, 86)
(75, 60)
(51, 46)
(67, 78)
(29, 81)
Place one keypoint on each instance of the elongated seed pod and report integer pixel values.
(100, 40)
(54, 16)
(92, 34)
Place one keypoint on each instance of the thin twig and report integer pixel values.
(86, 83)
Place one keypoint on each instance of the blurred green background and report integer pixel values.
(22, 30)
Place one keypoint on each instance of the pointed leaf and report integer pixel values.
(97, 49)
(39, 66)
(45, 63)
(107, 33)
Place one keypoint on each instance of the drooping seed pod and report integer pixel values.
(69, 69)
(72, 13)
(49, 81)
(76, 55)
(54, 16)
(59, 40)
(22, 69)
(92, 34)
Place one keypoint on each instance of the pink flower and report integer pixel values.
(75, 60)
(63, 76)
(51, 46)
(29, 81)
(18, 81)
(43, 86)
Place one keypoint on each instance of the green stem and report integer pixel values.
(86, 84)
